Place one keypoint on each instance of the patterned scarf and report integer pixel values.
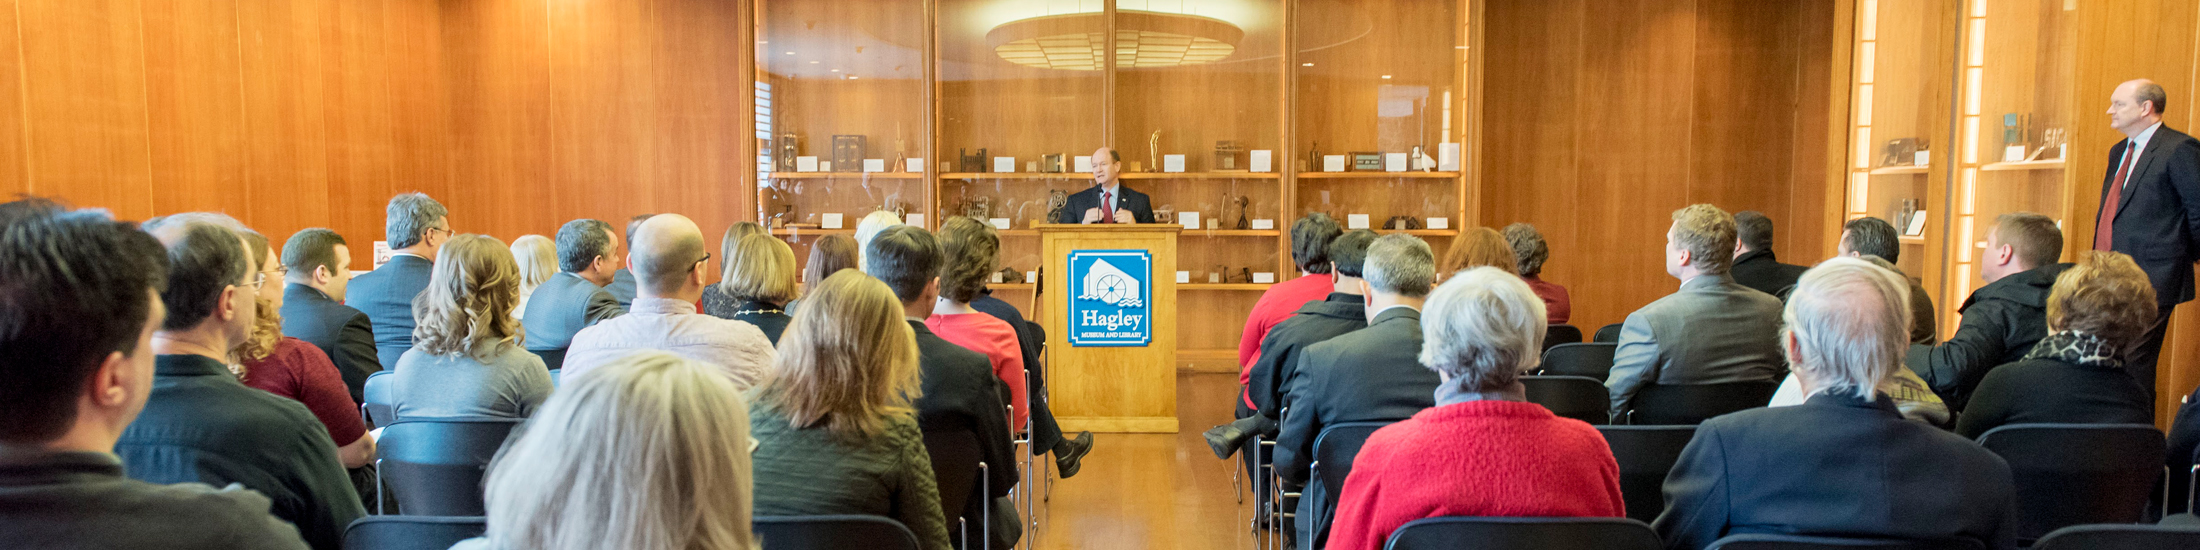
(2077, 348)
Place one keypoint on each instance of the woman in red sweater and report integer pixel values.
(968, 248)
(1483, 450)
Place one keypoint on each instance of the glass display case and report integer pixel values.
(2016, 83)
(1380, 114)
(1900, 104)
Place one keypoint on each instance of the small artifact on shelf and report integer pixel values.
(1226, 155)
(1402, 222)
(1217, 275)
(972, 163)
(1900, 152)
(848, 151)
(2050, 145)
(1313, 157)
(1245, 275)
(2013, 129)
(1421, 161)
(1367, 162)
(980, 208)
(1165, 214)
(1050, 163)
(789, 148)
(1241, 202)
(1153, 149)
(1056, 200)
(1008, 275)
(1924, 154)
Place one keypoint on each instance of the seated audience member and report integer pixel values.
(829, 255)
(1530, 252)
(1755, 266)
(960, 388)
(1869, 236)
(970, 252)
(835, 431)
(2075, 375)
(1483, 450)
(2184, 436)
(1845, 463)
(201, 424)
(1344, 310)
(757, 284)
(1477, 247)
(1713, 331)
(318, 272)
(467, 359)
(621, 286)
(294, 369)
(669, 260)
(2005, 318)
(1310, 237)
(78, 312)
(1046, 434)
(537, 257)
(574, 298)
(416, 228)
(1367, 375)
(660, 441)
(869, 227)
(1911, 394)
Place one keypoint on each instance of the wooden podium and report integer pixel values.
(1096, 382)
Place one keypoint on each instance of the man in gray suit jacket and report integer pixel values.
(574, 298)
(1713, 331)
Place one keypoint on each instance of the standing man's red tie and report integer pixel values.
(2106, 236)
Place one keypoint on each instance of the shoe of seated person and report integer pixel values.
(1068, 456)
(1225, 439)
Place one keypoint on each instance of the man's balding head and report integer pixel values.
(1106, 166)
(2137, 105)
(664, 254)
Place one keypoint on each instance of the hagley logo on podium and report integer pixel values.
(1112, 300)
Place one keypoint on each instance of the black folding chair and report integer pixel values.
(1561, 334)
(833, 533)
(1645, 455)
(377, 407)
(959, 468)
(434, 467)
(1607, 334)
(551, 358)
(2075, 474)
(1659, 404)
(1455, 533)
(1799, 542)
(1334, 451)
(1590, 359)
(1576, 397)
(411, 532)
(2120, 537)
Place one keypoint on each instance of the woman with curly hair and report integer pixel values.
(466, 358)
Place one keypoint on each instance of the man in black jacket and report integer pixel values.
(1371, 374)
(960, 391)
(2002, 320)
(313, 293)
(1755, 266)
(2150, 207)
(1343, 311)
(1107, 201)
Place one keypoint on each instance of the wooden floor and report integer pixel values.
(1155, 491)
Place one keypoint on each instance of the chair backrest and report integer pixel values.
(1607, 333)
(412, 532)
(1799, 542)
(552, 358)
(1561, 334)
(2072, 474)
(376, 394)
(955, 458)
(833, 533)
(1660, 404)
(1577, 397)
(1334, 451)
(1449, 533)
(1590, 359)
(434, 467)
(2120, 537)
(1645, 455)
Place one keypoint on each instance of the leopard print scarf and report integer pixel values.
(2076, 348)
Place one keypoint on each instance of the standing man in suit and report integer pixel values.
(622, 281)
(2150, 207)
(417, 227)
(1713, 331)
(1107, 201)
(313, 308)
(1755, 266)
(574, 298)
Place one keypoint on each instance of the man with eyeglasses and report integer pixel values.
(417, 227)
(669, 261)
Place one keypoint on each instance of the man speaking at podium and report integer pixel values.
(1107, 201)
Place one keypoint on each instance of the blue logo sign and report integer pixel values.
(1110, 298)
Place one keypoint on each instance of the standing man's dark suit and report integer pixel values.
(1762, 270)
(622, 288)
(2157, 222)
(961, 393)
(344, 333)
(1139, 204)
(560, 308)
(386, 296)
(1367, 375)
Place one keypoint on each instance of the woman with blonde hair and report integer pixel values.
(296, 369)
(836, 430)
(537, 257)
(466, 358)
(1478, 247)
(647, 452)
(757, 283)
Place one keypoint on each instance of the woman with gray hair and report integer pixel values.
(1483, 450)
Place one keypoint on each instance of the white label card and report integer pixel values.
(829, 221)
(1917, 224)
(1000, 223)
(1394, 162)
(1332, 163)
(1183, 277)
(1264, 224)
(805, 164)
(913, 165)
(1189, 219)
(1031, 277)
(914, 219)
(1447, 157)
(1172, 163)
(874, 165)
(1439, 223)
(1263, 160)
(1355, 221)
(1264, 277)
(1005, 165)
(1083, 163)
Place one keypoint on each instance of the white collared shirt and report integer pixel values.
(2138, 145)
(1114, 196)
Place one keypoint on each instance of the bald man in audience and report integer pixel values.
(668, 257)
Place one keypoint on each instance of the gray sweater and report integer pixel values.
(510, 385)
(807, 472)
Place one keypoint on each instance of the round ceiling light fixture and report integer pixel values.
(1143, 39)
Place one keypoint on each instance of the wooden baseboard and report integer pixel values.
(1207, 361)
(1126, 424)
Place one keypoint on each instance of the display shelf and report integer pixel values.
(803, 231)
(1016, 176)
(1011, 286)
(1222, 286)
(1352, 175)
(1421, 232)
(1898, 170)
(1201, 175)
(2053, 164)
(846, 175)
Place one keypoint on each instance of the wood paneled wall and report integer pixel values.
(1604, 116)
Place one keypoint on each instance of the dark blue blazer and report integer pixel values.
(1139, 204)
(386, 296)
(560, 308)
(342, 332)
(622, 288)
(2158, 215)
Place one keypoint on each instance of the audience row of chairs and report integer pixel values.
(1453, 533)
(1569, 334)
(776, 533)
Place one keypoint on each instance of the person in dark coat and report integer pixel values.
(2076, 374)
(1845, 463)
(2150, 207)
(417, 228)
(574, 298)
(1755, 266)
(313, 309)
(2002, 320)
(622, 281)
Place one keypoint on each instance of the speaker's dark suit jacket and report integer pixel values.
(560, 308)
(386, 296)
(961, 393)
(1367, 375)
(345, 334)
(1836, 465)
(2158, 215)
(1139, 204)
